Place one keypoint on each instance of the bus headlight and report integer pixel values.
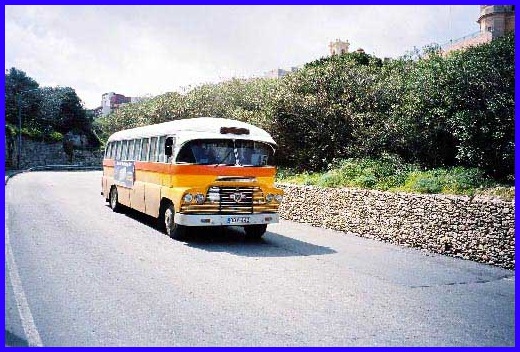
(278, 198)
(269, 197)
(187, 198)
(199, 198)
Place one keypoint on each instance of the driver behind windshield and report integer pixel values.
(224, 152)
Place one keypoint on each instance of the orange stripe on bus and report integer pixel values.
(154, 167)
(264, 171)
(222, 170)
(108, 162)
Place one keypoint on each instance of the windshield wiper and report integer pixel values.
(227, 155)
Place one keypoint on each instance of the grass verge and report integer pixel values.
(391, 174)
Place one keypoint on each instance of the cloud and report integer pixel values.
(139, 50)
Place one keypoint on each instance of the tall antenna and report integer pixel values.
(449, 17)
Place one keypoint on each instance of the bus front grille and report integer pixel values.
(232, 200)
(235, 200)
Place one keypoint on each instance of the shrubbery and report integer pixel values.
(34, 133)
(434, 112)
(390, 174)
(46, 112)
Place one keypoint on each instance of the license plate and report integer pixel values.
(238, 220)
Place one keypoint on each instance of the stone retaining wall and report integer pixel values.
(36, 153)
(480, 228)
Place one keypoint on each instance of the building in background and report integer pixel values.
(494, 20)
(338, 47)
(111, 101)
(279, 72)
(497, 19)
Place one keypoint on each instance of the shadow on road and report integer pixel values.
(12, 340)
(233, 240)
(137, 216)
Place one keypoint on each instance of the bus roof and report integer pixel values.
(196, 128)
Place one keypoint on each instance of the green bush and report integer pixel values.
(330, 179)
(32, 133)
(464, 180)
(366, 181)
(392, 174)
(422, 182)
(456, 180)
(55, 137)
(385, 173)
(10, 130)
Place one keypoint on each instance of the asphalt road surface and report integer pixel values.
(77, 274)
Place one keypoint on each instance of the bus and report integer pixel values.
(194, 172)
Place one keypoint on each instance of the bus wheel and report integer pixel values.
(255, 232)
(172, 229)
(112, 199)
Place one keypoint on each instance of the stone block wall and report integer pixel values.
(36, 153)
(480, 229)
(482, 38)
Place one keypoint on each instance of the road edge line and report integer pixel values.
(28, 325)
(53, 168)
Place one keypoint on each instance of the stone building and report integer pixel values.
(497, 19)
(338, 47)
(494, 20)
(111, 101)
(279, 72)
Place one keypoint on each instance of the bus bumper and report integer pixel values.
(225, 220)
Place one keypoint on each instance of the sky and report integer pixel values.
(142, 50)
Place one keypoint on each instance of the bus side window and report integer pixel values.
(124, 153)
(144, 150)
(153, 149)
(160, 151)
(131, 146)
(110, 150)
(119, 144)
(137, 150)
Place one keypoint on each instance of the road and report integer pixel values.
(78, 274)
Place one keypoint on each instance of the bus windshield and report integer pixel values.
(225, 152)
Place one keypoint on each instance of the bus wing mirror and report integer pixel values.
(168, 148)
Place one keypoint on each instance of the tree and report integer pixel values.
(44, 110)
(61, 110)
(482, 88)
(21, 91)
(426, 108)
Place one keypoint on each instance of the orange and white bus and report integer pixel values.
(194, 172)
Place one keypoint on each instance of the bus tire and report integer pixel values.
(172, 229)
(113, 200)
(255, 232)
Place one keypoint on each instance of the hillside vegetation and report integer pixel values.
(449, 113)
(46, 113)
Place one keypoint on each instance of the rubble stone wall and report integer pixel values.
(481, 229)
(36, 153)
